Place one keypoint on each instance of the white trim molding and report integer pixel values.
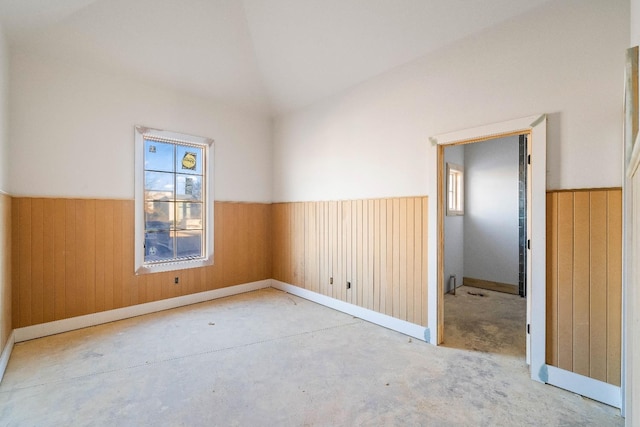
(634, 161)
(398, 325)
(143, 134)
(591, 388)
(56, 327)
(6, 354)
(494, 130)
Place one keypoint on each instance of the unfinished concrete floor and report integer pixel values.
(268, 358)
(488, 321)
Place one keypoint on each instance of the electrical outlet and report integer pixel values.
(331, 280)
(176, 280)
(348, 285)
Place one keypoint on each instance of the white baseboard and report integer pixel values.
(404, 327)
(65, 325)
(6, 354)
(585, 386)
(79, 322)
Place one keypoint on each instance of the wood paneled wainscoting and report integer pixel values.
(584, 282)
(371, 253)
(5, 270)
(72, 257)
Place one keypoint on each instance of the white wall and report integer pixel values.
(72, 131)
(491, 210)
(453, 229)
(372, 141)
(4, 113)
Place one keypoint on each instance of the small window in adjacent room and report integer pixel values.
(174, 209)
(455, 189)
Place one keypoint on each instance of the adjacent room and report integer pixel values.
(304, 212)
(485, 239)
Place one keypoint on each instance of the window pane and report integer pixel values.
(189, 243)
(158, 215)
(158, 156)
(189, 187)
(158, 246)
(189, 216)
(158, 186)
(188, 160)
(172, 219)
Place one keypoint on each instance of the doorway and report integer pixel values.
(485, 245)
(539, 370)
(535, 127)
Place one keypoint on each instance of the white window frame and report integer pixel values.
(141, 267)
(457, 192)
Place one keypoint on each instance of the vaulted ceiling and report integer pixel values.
(272, 55)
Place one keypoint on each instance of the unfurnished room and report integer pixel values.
(305, 212)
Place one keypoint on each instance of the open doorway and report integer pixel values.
(536, 338)
(485, 245)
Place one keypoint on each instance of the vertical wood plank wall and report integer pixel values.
(72, 257)
(378, 245)
(584, 282)
(5, 270)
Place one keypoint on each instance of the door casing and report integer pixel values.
(535, 128)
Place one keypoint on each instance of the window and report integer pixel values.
(173, 211)
(455, 189)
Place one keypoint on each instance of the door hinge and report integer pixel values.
(529, 244)
(528, 159)
(528, 329)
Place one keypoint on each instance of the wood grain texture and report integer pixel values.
(410, 256)
(378, 245)
(71, 257)
(396, 265)
(581, 284)
(424, 263)
(37, 260)
(48, 248)
(565, 275)
(6, 242)
(390, 273)
(417, 261)
(598, 286)
(375, 261)
(369, 288)
(13, 222)
(349, 265)
(614, 288)
(24, 268)
(280, 236)
(552, 280)
(584, 282)
(402, 260)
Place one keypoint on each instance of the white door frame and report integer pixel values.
(535, 127)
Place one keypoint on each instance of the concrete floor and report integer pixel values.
(488, 321)
(268, 358)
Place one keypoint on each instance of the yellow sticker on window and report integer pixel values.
(189, 161)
